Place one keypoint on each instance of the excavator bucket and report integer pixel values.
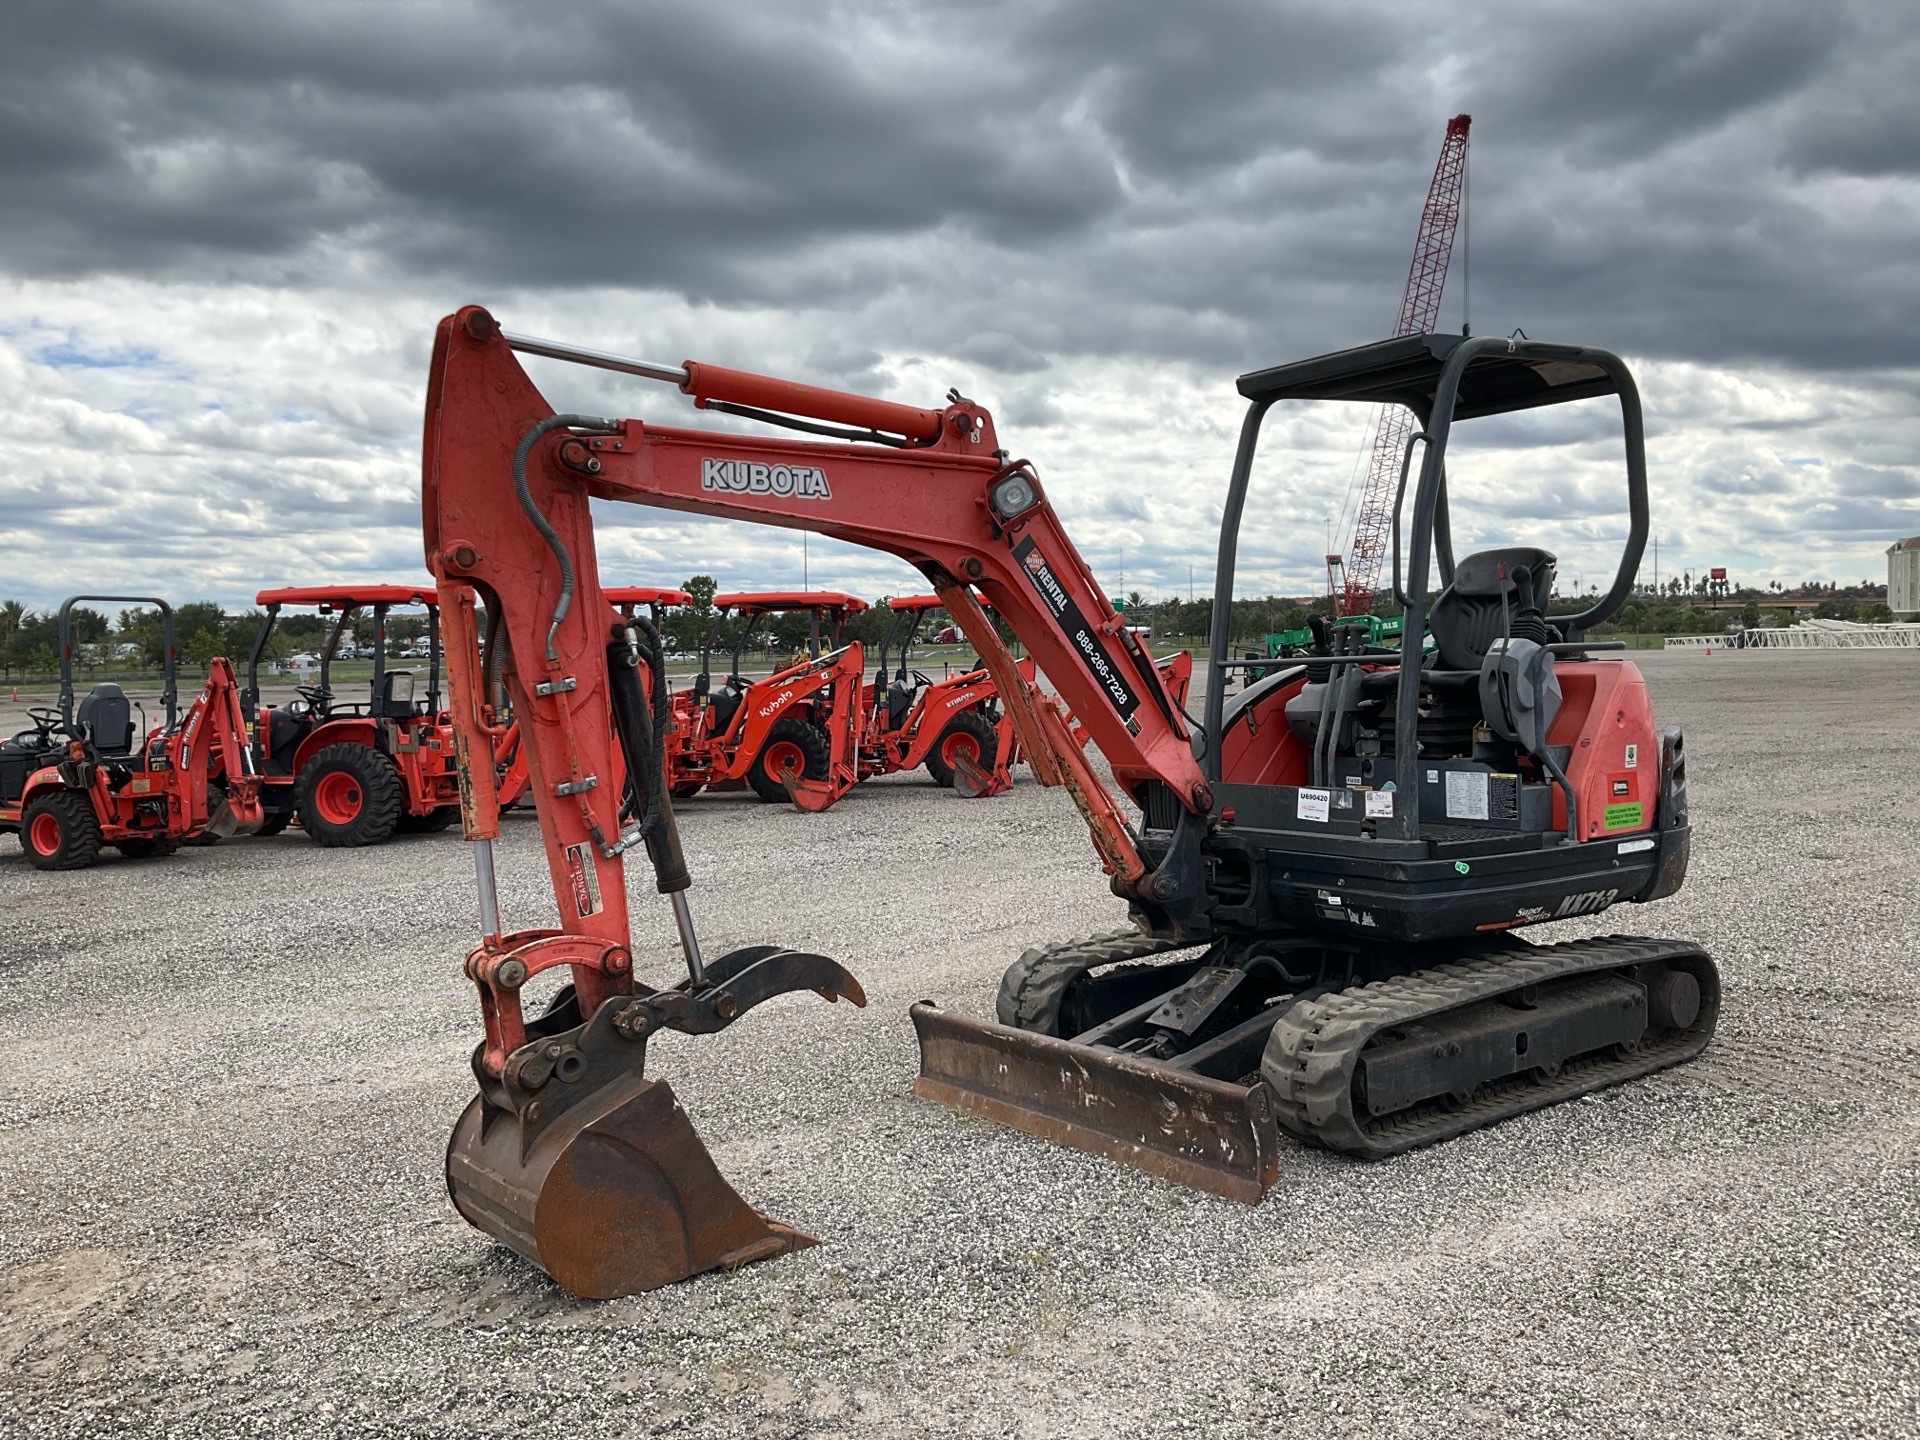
(621, 1196)
(592, 1171)
(1212, 1135)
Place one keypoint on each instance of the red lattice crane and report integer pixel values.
(1354, 581)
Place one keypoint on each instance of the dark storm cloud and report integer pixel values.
(1218, 182)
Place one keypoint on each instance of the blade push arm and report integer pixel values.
(507, 485)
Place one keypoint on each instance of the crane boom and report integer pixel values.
(1392, 424)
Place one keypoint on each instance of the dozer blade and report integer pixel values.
(618, 1197)
(1209, 1134)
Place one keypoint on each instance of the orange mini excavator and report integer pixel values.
(1325, 874)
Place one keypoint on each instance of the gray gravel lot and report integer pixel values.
(222, 1209)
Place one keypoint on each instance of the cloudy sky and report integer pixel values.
(226, 232)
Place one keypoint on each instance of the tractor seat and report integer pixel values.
(107, 717)
(1494, 592)
(899, 702)
(396, 696)
(726, 704)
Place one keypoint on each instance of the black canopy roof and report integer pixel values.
(1406, 370)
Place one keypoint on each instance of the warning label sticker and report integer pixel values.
(1466, 794)
(1379, 804)
(1619, 817)
(581, 878)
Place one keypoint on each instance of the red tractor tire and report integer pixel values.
(349, 795)
(276, 821)
(60, 831)
(791, 744)
(685, 791)
(970, 734)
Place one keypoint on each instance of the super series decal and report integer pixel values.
(1063, 609)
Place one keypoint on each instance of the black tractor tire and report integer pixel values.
(969, 726)
(784, 739)
(59, 831)
(431, 823)
(687, 791)
(349, 795)
(150, 849)
(275, 822)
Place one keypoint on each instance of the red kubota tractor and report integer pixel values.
(89, 776)
(1325, 876)
(794, 735)
(955, 726)
(355, 772)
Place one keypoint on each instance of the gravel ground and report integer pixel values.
(222, 1211)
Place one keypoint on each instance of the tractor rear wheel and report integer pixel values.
(685, 791)
(60, 831)
(791, 745)
(970, 735)
(276, 821)
(349, 795)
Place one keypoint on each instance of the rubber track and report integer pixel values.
(1310, 1056)
(1034, 986)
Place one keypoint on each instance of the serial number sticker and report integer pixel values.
(1379, 804)
(1467, 794)
(1629, 847)
(1313, 804)
(1618, 817)
(582, 879)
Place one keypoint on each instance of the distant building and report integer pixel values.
(1903, 577)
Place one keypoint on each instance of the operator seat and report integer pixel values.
(726, 703)
(1494, 593)
(396, 695)
(107, 717)
(899, 702)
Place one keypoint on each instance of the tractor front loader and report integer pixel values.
(1324, 880)
(86, 776)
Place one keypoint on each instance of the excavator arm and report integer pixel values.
(568, 1154)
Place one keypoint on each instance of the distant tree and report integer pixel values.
(1750, 615)
(701, 588)
(201, 647)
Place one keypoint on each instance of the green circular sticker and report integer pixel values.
(1462, 866)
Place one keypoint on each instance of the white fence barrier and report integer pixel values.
(1808, 635)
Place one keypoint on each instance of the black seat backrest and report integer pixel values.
(1490, 591)
(396, 695)
(726, 704)
(899, 701)
(107, 715)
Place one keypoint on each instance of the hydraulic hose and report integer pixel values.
(592, 423)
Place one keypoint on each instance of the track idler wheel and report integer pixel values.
(593, 1172)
